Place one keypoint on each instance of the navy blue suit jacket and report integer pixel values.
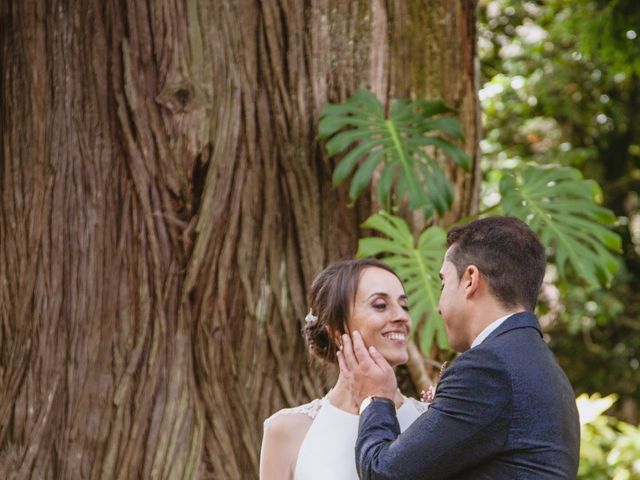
(503, 410)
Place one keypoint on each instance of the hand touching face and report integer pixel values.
(365, 370)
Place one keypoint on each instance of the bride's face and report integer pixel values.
(380, 314)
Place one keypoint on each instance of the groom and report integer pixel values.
(504, 409)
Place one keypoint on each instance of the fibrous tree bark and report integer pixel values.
(164, 205)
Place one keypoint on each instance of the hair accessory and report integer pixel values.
(311, 318)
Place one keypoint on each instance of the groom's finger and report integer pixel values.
(347, 353)
(361, 353)
(379, 360)
(343, 367)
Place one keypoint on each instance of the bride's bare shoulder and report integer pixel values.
(287, 428)
(289, 419)
(284, 432)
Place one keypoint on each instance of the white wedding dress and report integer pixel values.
(328, 449)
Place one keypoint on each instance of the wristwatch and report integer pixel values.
(367, 401)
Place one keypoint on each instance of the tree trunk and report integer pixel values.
(164, 206)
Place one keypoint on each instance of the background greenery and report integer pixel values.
(560, 85)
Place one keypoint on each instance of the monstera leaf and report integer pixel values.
(562, 207)
(417, 265)
(360, 128)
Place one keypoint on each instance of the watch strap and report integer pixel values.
(367, 401)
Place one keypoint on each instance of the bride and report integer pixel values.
(317, 440)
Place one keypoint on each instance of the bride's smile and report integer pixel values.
(400, 337)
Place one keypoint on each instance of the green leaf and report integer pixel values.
(363, 176)
(417, 264)
(458, 156)
(343, 140)
(372, 246)
(393, 227)
(562, 208)
(430, 108)
(447, 125)
(385, 184)
(439, 191)
(348, 163)
(359, 129)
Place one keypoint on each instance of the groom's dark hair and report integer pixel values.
(507, 252)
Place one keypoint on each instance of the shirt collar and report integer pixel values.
(489, 329)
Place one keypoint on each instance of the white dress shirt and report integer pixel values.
(488, 329)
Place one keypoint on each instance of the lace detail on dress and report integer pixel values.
(310, 409)
(421, 407)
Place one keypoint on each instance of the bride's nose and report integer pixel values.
(401, 315)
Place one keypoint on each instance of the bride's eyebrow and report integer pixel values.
(385, 295)
(381, 294)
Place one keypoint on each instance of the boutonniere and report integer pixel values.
(429, 394)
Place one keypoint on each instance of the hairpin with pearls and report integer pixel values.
(311, 318)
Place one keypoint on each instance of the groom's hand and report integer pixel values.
(366, 371)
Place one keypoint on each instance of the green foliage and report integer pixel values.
(556, 202)
(610, 448)
(417, 264)
(563, 209)
(559, 85)
(360, 128)
(595, 338)
(608, 30)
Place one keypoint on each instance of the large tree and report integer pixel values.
(164, 205)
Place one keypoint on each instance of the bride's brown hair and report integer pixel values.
(331, 297)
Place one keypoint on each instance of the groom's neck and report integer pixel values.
(485, 314)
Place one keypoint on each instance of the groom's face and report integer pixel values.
(451, 305)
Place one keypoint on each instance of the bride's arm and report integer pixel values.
(281, 442)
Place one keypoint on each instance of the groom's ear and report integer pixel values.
(471, 281)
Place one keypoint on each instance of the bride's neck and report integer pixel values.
(340, 397)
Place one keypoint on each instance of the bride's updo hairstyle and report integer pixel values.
(331, 298)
